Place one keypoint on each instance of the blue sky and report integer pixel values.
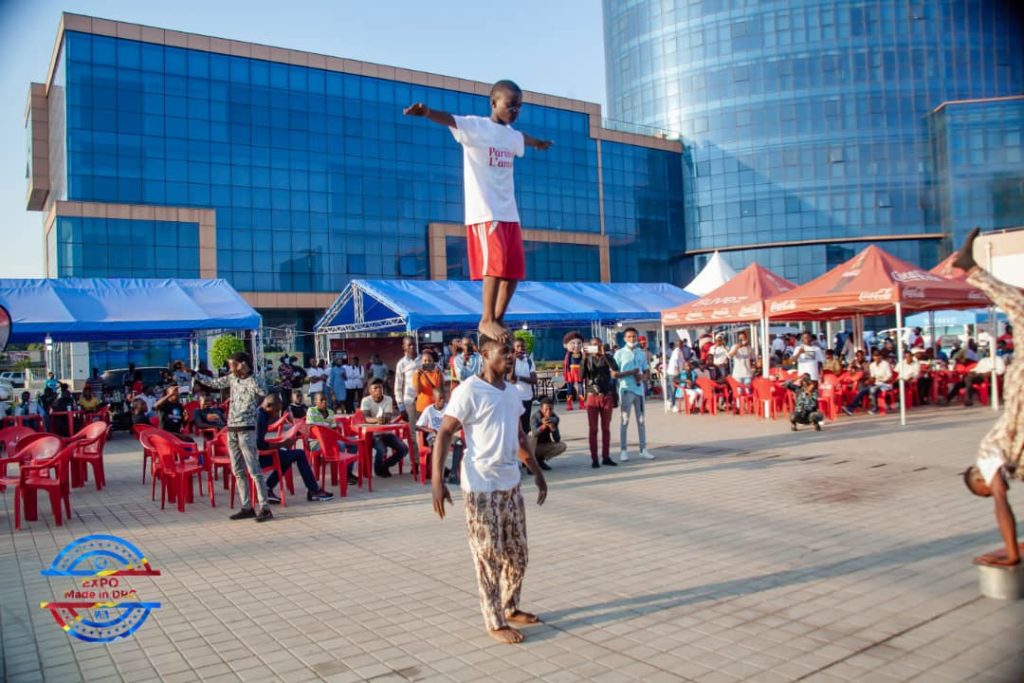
(550, 46)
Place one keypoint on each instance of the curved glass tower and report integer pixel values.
(806, 122)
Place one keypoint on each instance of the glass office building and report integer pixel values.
(155, 153)
(806, 122)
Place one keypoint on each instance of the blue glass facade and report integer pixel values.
(110, 247)
(806, 120)
(978, 149)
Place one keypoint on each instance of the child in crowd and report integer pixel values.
(430, 421)
(297, 408)
(806, 411)
(490, 146)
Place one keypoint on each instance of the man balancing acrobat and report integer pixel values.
(999, 454)
(495, 244)
(487, 408)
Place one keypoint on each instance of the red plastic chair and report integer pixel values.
(333, 454)
(176, 468)
(147, 453)
(89, 443)
(217, 454)
(364, 444)
(828, 401)
(742, 396)
(10, 437)
(426, 455)
(189, 409)
(764, 392)
(101, 415)
(46, 466)
(711, 393)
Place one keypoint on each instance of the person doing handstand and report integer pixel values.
(999, 454)
(490, 146)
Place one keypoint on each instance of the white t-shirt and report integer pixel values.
(719, 355)
(371, 408)
(488, 150)
(741, 361)
(523, 368)
(808, 363)
(676, 361)
(316, 380)
(881, 372)
(431, 417)
(354, 375)
(405, 389)
(490, 418)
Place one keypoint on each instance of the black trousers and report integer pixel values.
(289, 458)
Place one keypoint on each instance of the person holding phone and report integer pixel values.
(598, 374)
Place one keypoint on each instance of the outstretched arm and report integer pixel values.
(437, 116)
(536, 143)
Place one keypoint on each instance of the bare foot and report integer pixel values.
(521, 617)
(965, 257)
(507, 635)
(493, 330)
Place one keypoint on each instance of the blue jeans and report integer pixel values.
(628, 401)
(381, 444)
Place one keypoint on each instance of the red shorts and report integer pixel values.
(495, 250)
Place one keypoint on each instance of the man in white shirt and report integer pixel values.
(355, 375)
(380, 409)
(523, 375)
(487, 408)
(980, 373)
(879, 378)
(316, 375)
(405, 388)
(808, 357)
(719, 357)
(495, 243)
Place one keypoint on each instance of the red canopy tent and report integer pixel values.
(741, 299)
(874, 282)
(947, 270)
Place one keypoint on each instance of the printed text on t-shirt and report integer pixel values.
(502, 158)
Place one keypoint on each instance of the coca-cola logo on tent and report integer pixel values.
(884, 294)
(782, 306)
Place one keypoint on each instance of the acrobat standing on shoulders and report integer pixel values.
(495, 243)
(999, 454)
(573, 343)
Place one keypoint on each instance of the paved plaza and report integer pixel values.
(744, 552)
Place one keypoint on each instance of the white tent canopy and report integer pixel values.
(715, 274)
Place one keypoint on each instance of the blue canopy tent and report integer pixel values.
(414, 305)
(103, 309)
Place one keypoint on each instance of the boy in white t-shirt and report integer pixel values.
(487, 408)
(490, 146)
(429, 423)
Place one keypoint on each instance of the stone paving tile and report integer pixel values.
(744, 552)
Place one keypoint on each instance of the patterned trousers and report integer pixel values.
(1006, 438)
(245, 463)
(496, 523)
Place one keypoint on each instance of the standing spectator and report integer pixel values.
(806, 409)
(52, 383)
(545, 439)
(129, 380)
(405, 388)
(182, 378)
(378, 369)
(597, 374)
(95, 382)
(718, 355)
(808, 357)
(336, 384)
(1007, 337)
(380, 409)
(284, 376)
(315, 378)
(742, 359)
(468, 363)
(425, 380)
(523, 375)
(247, 390)
(879, 378)
(355, 376)
(632, 371)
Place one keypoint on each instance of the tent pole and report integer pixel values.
(931, 330)
(664, 368)
(416, 336)
(766, 360)
(899, 363)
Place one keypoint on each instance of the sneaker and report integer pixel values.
(847, 411)
(544, 466)
(646, 454)
(273, 498)
(675, 409)
(609, 462)
(319, 496)
(624, 456)
(264, 515)
(353, 480)
(244, 513)
(792, 426)
(595, 464)
(817, 426)
(872, 412)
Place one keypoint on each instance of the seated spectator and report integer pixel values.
(859, 362)
(832, 364)
(376, 408)
(878, 378)
(88, 401)
(430, 421)
(65, 402)
(268, 412)
(171, 411)
(981, 372)
(28, 406)
(806, 410)
(297, 408)
(545, 439)
(686, 388)
(207, 415)
(95, 382)
(320, 414)
(140, 413)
